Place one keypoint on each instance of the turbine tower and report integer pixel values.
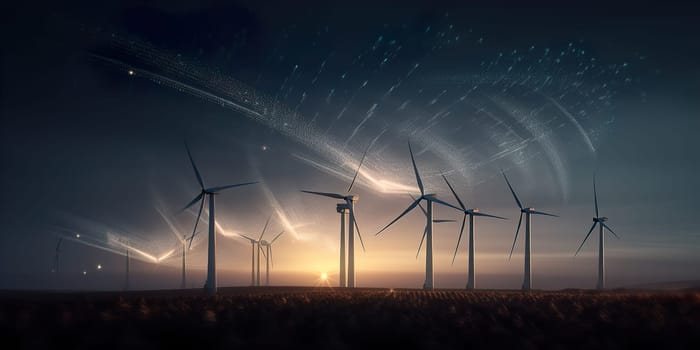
(600, 221)
(126, 283)
(430, 199)
(527, 281)
(471, 277)
(211, 192)
(183, 284)
(253, 242)
(268, 256)
(342, 209)
(57, 254)
(347, 208)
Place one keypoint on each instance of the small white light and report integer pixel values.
(99, 267)
(84, 272)
(131, 72)
(264, 147)
(77, 235)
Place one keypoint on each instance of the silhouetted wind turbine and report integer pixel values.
(425, 231)
(471, 278)
(600, 221)
(183, 285)
(210, 284)
(56, 256)
(527, 282)
(253, 243)
(268, 256)
(430, 199)
(126, 283)
(348, 206)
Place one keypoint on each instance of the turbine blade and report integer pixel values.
(489, 215)
(595, 197)
(520, 221)
(584, 240)
(358, 167)
(459, 239)
(278, 236)
(410, 207)
(438, 221)
(609, 229)
(265, 227)
(261, 250)
(357, 228)
(195, 200)
(454, 193)
(221, 188)
(326, 194)
(425, 232)
(512, 191)
(543, 213)
(196, 172)
(434, 199)
(415, 169)
(199, 215)
(246, 237)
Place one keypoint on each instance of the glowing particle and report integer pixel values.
(131, 72)
(99, 266)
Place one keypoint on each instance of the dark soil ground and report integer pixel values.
(286, 317)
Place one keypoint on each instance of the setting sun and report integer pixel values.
(324, 276)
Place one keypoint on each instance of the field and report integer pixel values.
(286, 317)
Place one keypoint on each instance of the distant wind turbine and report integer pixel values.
(430, 199)
(527, 282)
(268, 256)
(471, 277)
(210, 284)
(600, 221)
(183, 284)
(126, 283)
(57, 254)
(253, 243)
(342, 209)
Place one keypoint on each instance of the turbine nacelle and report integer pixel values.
(600, 219)
(341, 207)
(352, 198)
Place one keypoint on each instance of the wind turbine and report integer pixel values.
(430, 199)
(253, 242)
(344, 209)
(210, 284)
(268, 256)
(600, 221)
(56, 256)
(425, 231)
(527, 282)
(471, 277)
(183, 285)
(126, 283)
